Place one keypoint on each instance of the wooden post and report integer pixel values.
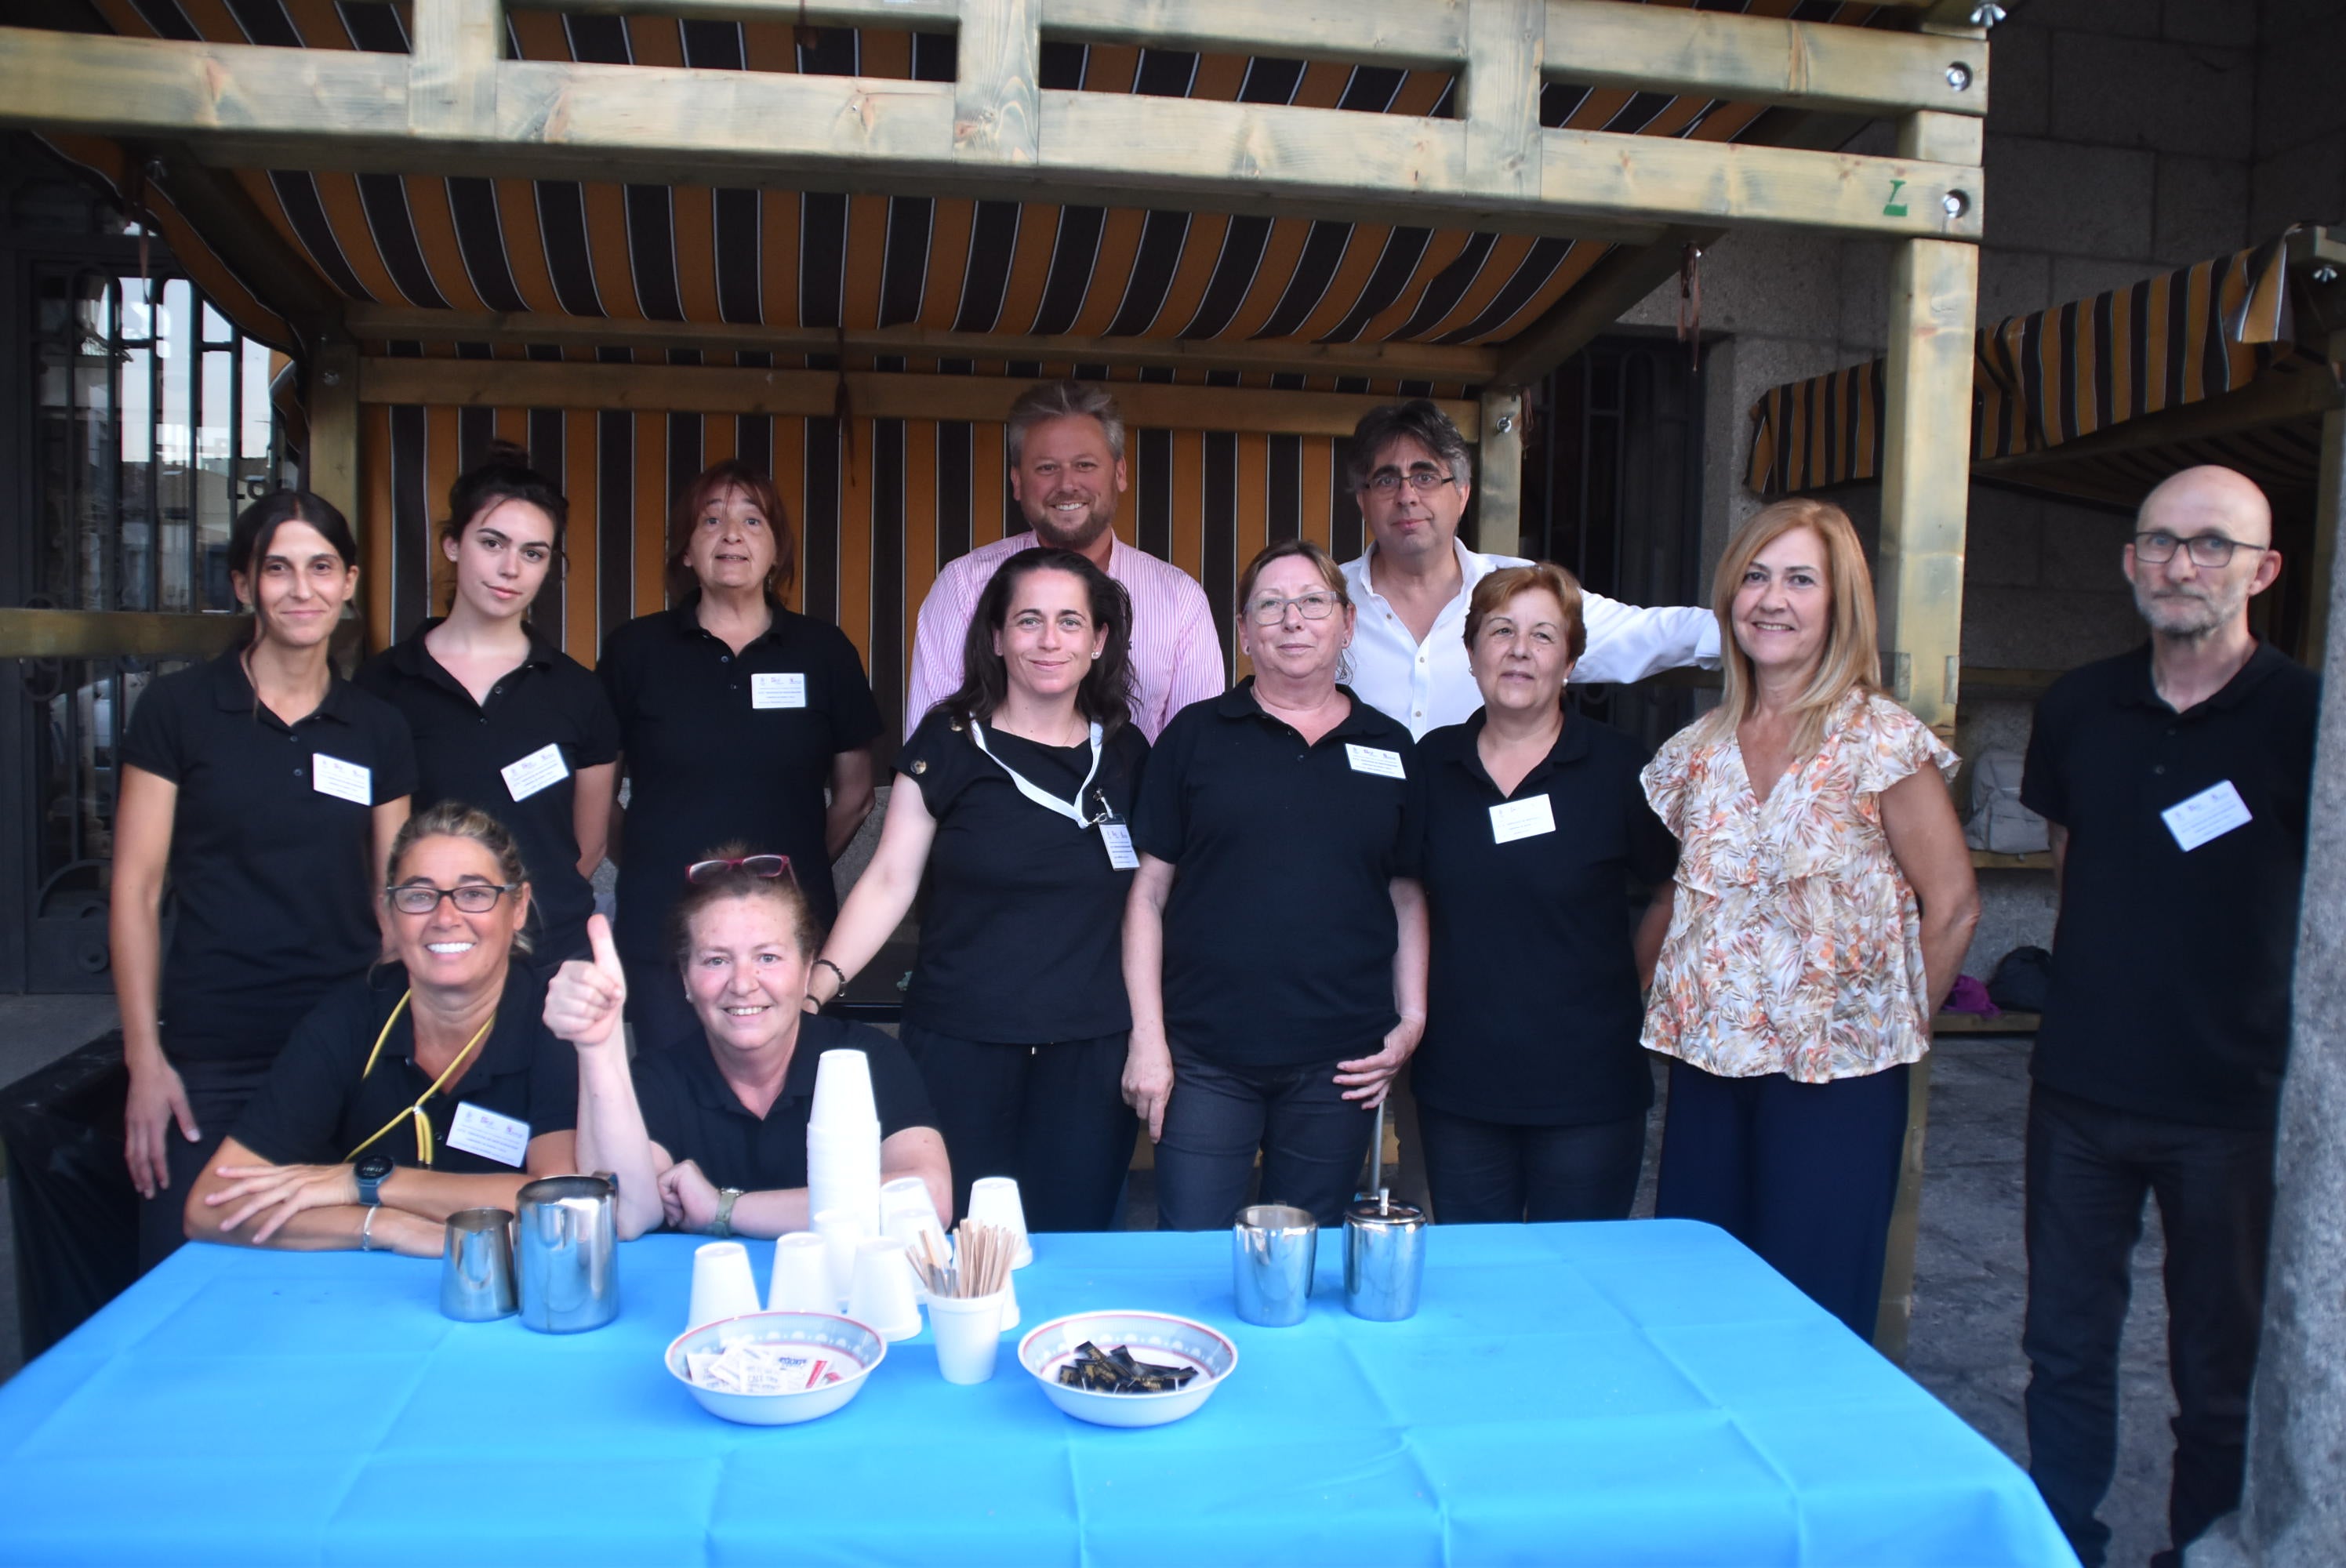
(997, 87)
(2329, 517)
(330, 468)
(452, 85)
(1499, 476)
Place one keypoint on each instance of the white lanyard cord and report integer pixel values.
(1071, 809)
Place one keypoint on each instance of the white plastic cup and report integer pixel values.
(908, 1194)
(881, 1298)
(722, 1283)
(842, 1231)
(843, 1171)
(802, 1276)
(842, 1090)
(993, 1200)
(969, 1335)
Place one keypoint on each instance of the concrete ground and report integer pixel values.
(1971, 1276)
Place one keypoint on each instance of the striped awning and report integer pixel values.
(2046, 381)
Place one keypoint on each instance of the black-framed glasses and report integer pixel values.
(2207, 549)
(754, 865)
(1424, 480)
(422, 898)
(1270, 610)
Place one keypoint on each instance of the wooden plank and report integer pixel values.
(1938, 138)
(1896, 1312)
(1612, 287)
(331, 468)
(1432, 361)
(1756, 59)
(115, 634)
(1506, 43)
(1926, 474)
(1499, 473)
(998, 78)
(2007, 1023)
(452, 89)
(924, 15)
(2329, 517)
(243, 237)
(1990, 860)
(1428, 35)
(724, 389)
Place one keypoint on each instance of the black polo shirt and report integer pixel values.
(274, 879)
(690, 1110)
(708, 765)
(1279, 933)
(463, 748)
(1533, 1009)
(1022, 936)
(314, 1108)
(2171, 969)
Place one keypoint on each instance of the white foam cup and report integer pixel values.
(842, 1090)
(801, 1277)
(880, 1297)
(969, 1335)
(993, 1200)
(722, 1283)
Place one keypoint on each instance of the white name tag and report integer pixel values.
(1370, 760)
(489, 1136)
(1525, 819)
(342, 780)
(2211, 814)
(534, 772)
(1118, 838)
(778, 691)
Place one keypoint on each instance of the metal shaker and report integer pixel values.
(1273, 1248)
(476, 1266)
(1385, 1258)
(566, 1253)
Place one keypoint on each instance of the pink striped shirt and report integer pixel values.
(1176, 658)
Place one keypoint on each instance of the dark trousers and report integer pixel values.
(1311, 1139)
(1497, 1173)
(217, 1093)
(1804, 1175)
(1052, 1117)
(2089, 1168)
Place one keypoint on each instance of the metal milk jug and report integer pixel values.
(1385, 1258)
(566, 1253)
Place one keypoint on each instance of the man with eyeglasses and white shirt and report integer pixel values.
(1413, 473)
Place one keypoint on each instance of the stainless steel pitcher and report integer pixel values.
(1273, 1246)
(567, 1253)
(477, 1269)
(1384, 1258)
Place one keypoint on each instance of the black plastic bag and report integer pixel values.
(2023, 981)
(75, 1210)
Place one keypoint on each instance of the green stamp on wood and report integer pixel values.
(1894, 208)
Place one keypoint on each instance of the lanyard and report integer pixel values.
(1071, 809)
(423, 1122)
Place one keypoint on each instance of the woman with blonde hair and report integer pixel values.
(1822, 904)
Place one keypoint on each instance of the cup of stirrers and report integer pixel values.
(980, 1265)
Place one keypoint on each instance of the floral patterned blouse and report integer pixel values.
(1795, 942)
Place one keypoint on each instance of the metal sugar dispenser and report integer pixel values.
(1384, 1247)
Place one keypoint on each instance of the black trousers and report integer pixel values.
(2089, 1169)
(1805, 1175)
(217, 1092)
(1497, 1173)
(1311, 1139)
(1052, 1117)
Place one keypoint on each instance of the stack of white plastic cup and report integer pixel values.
(843, 1140)
(908, 1214)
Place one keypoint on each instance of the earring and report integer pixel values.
(1096, 653)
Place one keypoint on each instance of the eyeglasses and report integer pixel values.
(1267, 611)
(2207, 549)
(422, 898)
(754, 865)
(1424, 480)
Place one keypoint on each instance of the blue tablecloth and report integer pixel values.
(1636, 1393)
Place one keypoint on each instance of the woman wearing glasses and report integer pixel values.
(269, 789)
(501, 717)
(1013, 800)
(737, 716)
(711, 1137)
(1275, 941)
(425, 1086)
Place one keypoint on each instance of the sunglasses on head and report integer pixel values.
(754, 865)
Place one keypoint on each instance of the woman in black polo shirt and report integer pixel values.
(735, 716)
(269, 788)
(1534, 833)
(1013, 800)
(711, 1137)
(503, 719)
(1274, 943)
(424, 1086)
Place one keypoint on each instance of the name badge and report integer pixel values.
(1118, 836)
(778, 691)
(489, 1136)
(2211, 814)
(534, 772)
(342, 780)
(1525, 818)
(1372, 759)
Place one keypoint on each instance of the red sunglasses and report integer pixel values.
(754, 865)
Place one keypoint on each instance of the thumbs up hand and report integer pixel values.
(584, 998)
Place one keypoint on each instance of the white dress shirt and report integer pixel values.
(1176, 659)
(1428, 684)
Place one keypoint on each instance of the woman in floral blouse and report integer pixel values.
(1823, 901)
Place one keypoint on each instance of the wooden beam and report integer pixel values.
(330, 465)
(1507, 41)
(2268, 400)
(1425, 361)
(1613, 286)
(451, 89)
(1896, 1313)
(1941, 137)
(1499, 473)
(724, 389)
(335, 108)
(115, 634)
(2329, 517)
(248, 244)
(998, 72)
(1756, 59)
(1926, 474)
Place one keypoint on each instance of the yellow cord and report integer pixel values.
(423, 1122)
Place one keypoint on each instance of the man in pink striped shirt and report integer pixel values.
(1066, 469)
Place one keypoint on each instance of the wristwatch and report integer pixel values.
(371, 1173)
(722, 1225)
